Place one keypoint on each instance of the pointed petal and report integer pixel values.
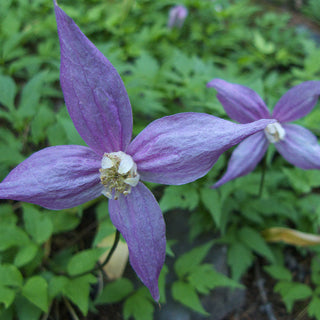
(94, 93)
(300, 147)
(245, 157)
(297, 102)
(182, 148)
(139, 219)
(55, 178)
(240, 103)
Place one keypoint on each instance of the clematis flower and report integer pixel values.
(172, 150)
(177, 15)
(295, 143)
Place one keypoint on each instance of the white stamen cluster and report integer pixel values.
(274, 132)
(118, 174)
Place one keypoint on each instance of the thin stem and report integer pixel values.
(113, 248)
(100, 266)
(263, 173)
(71, 310)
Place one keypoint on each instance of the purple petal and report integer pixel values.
(139, 219)
(94, 93)
(240, 103)
(182, 148)
(300, 147)
(245, 157)
(297, 102)
(55, 178)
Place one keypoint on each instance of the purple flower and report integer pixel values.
(173, 150)
(177, 15)
(295, 143)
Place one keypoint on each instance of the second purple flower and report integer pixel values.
(296, 144)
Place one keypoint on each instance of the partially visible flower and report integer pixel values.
(173, 150)
(295, 143)
(177, 15)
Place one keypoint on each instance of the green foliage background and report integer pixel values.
(165, 72)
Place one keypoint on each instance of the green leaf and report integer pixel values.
(162, 284)
(7, 215)
(255, 242)
(42, 120)
(186, 262)
(10, 276)
(292, 291)
(115, 291)
(7, 91)
(64, 220)
(36, 291)
(37, 224)
(211, 201)
(26, 310)
(185, 197)
(314, 308)
(204, 278)
(78, 289)
(84, 261)
(56, 285)
(240, 259)
(30, 95)
(11, 236)
(278, 272)
(139, 306)
(6, 296)
(302, 181)
(186, 294)
(7, 314)
(25, 254)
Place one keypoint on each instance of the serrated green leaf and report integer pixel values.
(30, 95)
(185, 197)
(186, 294)
(205, 278)
(292, 291)
(37, 224)
(42, 120)
(115, 291)
(7, 91)
(186, 262)
(240, 259)
(278, 272)
(36, 291)
(255, 242)
(211, 201)
(139, 306)
(84, 261)
(314, 308)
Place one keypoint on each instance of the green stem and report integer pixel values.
(263, 173)
(100, 266)
(113, 248)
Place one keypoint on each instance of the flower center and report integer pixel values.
(118, 174)
(274, 132)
